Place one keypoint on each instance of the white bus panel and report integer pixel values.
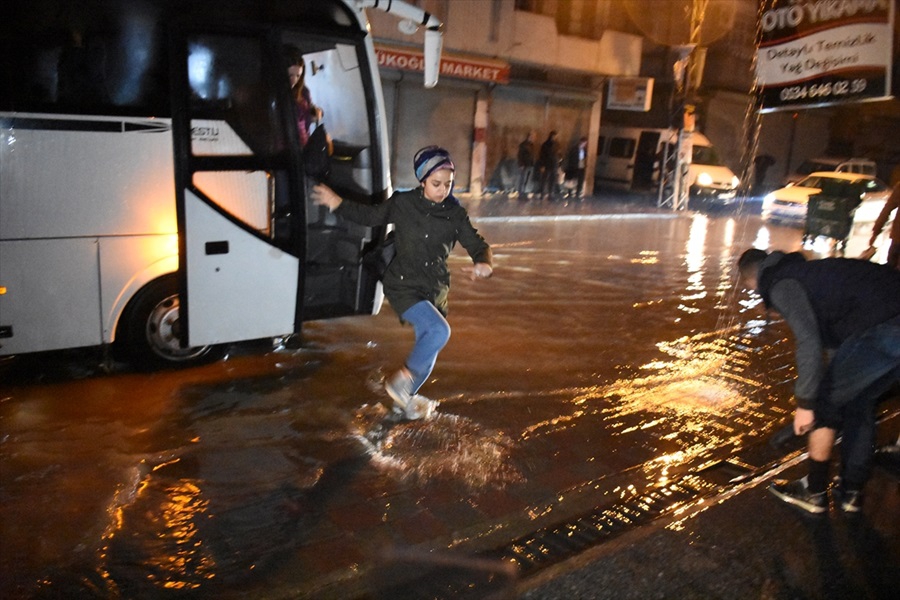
(52, 291)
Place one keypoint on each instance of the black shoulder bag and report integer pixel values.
(317, 155)
(380, 258)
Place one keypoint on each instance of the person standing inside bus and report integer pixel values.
(307, 112)
(428, 221)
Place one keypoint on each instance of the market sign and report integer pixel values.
(823, 52)
(452, 65)
(630, 93)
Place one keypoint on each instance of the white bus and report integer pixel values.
(152, 191)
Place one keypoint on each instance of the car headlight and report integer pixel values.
(704, 179)
(769, 199)
(735, 181)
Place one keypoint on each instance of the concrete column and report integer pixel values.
(593, 137)
(479, 145)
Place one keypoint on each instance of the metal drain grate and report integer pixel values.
(562, 541)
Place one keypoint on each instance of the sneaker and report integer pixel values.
(420, 407)
(399, 388)
(797, 493)
(850, 500)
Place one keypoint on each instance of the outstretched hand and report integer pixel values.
(325, 196)
(479, 271)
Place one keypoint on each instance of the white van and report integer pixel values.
(629, 157)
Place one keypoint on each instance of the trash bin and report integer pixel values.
(830, 212)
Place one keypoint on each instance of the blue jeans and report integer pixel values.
(864, 367)
(432, 334)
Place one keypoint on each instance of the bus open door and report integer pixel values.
(256, 257)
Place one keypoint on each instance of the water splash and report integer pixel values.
(445, 447)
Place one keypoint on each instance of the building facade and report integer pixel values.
(512, 67)
(507, 71)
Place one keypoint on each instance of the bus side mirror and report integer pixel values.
(434, 40)
(433, 34)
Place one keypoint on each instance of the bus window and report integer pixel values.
(81, 72)
(244, 194)
(234, 114)
(84, 66)
(228, 88)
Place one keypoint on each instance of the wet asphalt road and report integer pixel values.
(605, 406)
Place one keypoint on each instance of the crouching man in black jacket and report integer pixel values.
(849, 310)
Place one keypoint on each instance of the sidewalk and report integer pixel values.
(502, 204)
(750, 546)
(732, 540)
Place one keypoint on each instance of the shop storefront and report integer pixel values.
(519, 109)
(477, 113)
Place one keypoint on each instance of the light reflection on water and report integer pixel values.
(597, 359)
(702, 384)
(182, 562)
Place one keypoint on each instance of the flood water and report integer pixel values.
(608, 353)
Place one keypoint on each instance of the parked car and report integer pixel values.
(789, 204)
(832, 164)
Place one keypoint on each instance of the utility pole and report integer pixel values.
(674, 191)
(676, 158)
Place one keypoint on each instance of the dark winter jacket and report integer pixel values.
(549, 154)
(425, 232)
(526, 154)
(825, 302)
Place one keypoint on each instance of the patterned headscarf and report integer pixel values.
(431, 159)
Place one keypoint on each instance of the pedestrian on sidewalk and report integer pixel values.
(428, 222)
(849, 311)
(525, 160)
(576, 165)
(548, 162)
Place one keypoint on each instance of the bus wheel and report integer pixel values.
(150, 329)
